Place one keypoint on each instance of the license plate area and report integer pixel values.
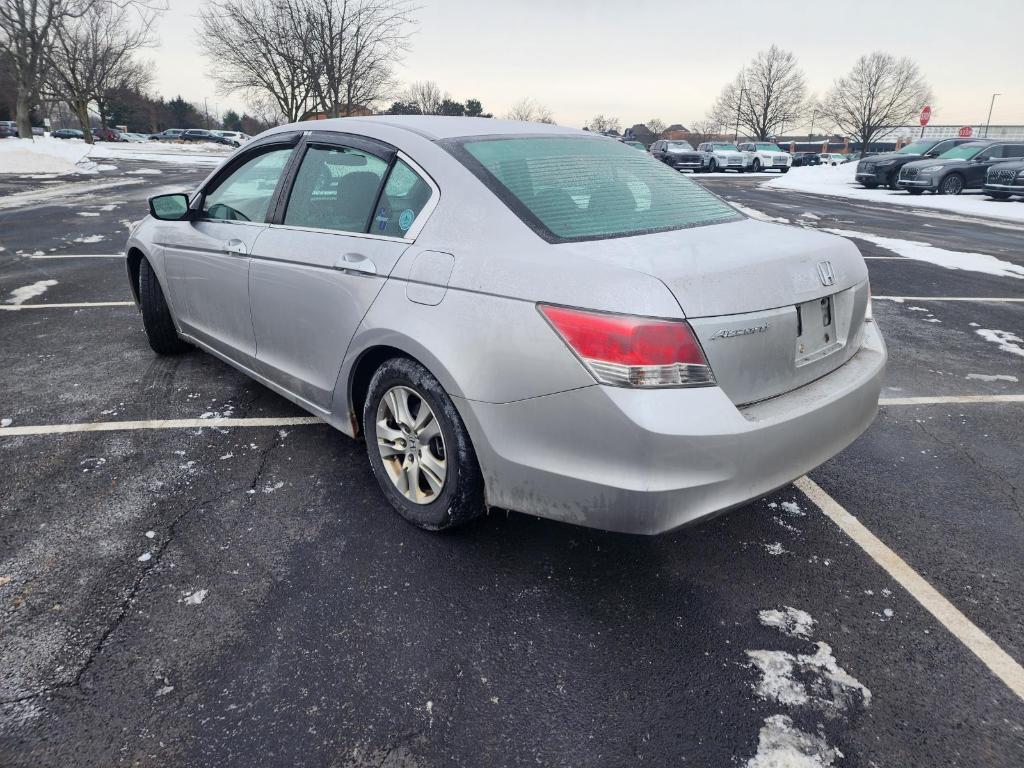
(816, 330)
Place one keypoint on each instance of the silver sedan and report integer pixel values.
(519, 316)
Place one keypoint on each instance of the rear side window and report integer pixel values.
(404, 196)
(335, 188)
(581, 188)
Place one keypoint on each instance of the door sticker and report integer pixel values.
(406, 219)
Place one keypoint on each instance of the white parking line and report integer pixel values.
(981, 645)
(114, 426)
(69, 306)
(294, 421)
(951, 400)
(78, 256)
(886, 258)
(946, 298)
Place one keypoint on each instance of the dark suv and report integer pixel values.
(678, 154)
(1005, 179)
(885, 169)
(8, 129)
(960, 168)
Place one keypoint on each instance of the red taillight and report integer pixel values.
(629, 351)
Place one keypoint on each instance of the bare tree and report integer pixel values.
(880, 91)
(528, 110)
(427, 96)
(92, 56)
(705, 130)
(602, 124)
(766, 95)
(261, 48)
(27, 31)
(353, 50)
(656, 126)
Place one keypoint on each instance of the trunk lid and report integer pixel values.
(757, 298)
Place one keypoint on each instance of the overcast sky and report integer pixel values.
(668, 58)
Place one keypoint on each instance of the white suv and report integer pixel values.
(722, 156)
(763, 156)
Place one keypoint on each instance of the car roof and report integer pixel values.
(434, 127)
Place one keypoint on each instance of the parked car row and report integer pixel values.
(948, 167)
(716, 156)
(228, 138)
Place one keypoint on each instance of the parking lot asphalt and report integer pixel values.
(241, 595)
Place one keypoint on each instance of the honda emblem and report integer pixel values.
(826, 273)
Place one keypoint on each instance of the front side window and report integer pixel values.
(245, 195)
(580, 188)
(335, 188)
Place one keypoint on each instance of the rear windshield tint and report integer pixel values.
(581, 188)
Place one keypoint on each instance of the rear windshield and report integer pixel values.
(578, 188)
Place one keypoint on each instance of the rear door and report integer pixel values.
(353, 208)
(207, 257)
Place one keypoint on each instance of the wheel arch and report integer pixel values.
(133, 261)
(354, 381)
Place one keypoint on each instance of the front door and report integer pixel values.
(347, 221)
(207, 257)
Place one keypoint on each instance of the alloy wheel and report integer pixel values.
(952, 185)
(411, 445)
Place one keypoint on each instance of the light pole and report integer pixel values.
(739, 103)
(991, 104)
(814, 114)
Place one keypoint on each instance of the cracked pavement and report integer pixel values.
(285, 616)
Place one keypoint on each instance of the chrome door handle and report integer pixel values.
(356, 262)
(235, 246)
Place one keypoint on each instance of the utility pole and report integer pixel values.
(991, 104)
(206, 109)
(814, 113)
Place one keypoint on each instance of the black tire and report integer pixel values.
(869, 184)
(998, 195)
(156, 315)
(713, 166)
(755, 167)
(784, 170)
(890, 181)
(915, 191)
(461, 498)
(952, 184)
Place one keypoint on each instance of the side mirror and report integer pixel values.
(173, 207)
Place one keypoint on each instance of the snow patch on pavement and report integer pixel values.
(789, 621)
(992, 377)
(910, 249)
(89, 239)
(839, 181)
(781, 744)
(1007, 341)
(197, 597)
(26, 292)
(759, 215)
(144, 172)
(814, 679)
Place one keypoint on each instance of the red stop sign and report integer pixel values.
(966, 132)
(926, 115)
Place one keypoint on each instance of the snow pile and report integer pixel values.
(839, 181)
(199, 153)
(45, 155)
(911, 249)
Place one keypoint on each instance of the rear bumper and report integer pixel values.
(646, 462)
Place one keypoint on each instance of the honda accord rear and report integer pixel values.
(519, 316)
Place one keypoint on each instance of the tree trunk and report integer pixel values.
(81, 110)
(23, 113)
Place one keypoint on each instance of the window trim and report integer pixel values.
(456, 148)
